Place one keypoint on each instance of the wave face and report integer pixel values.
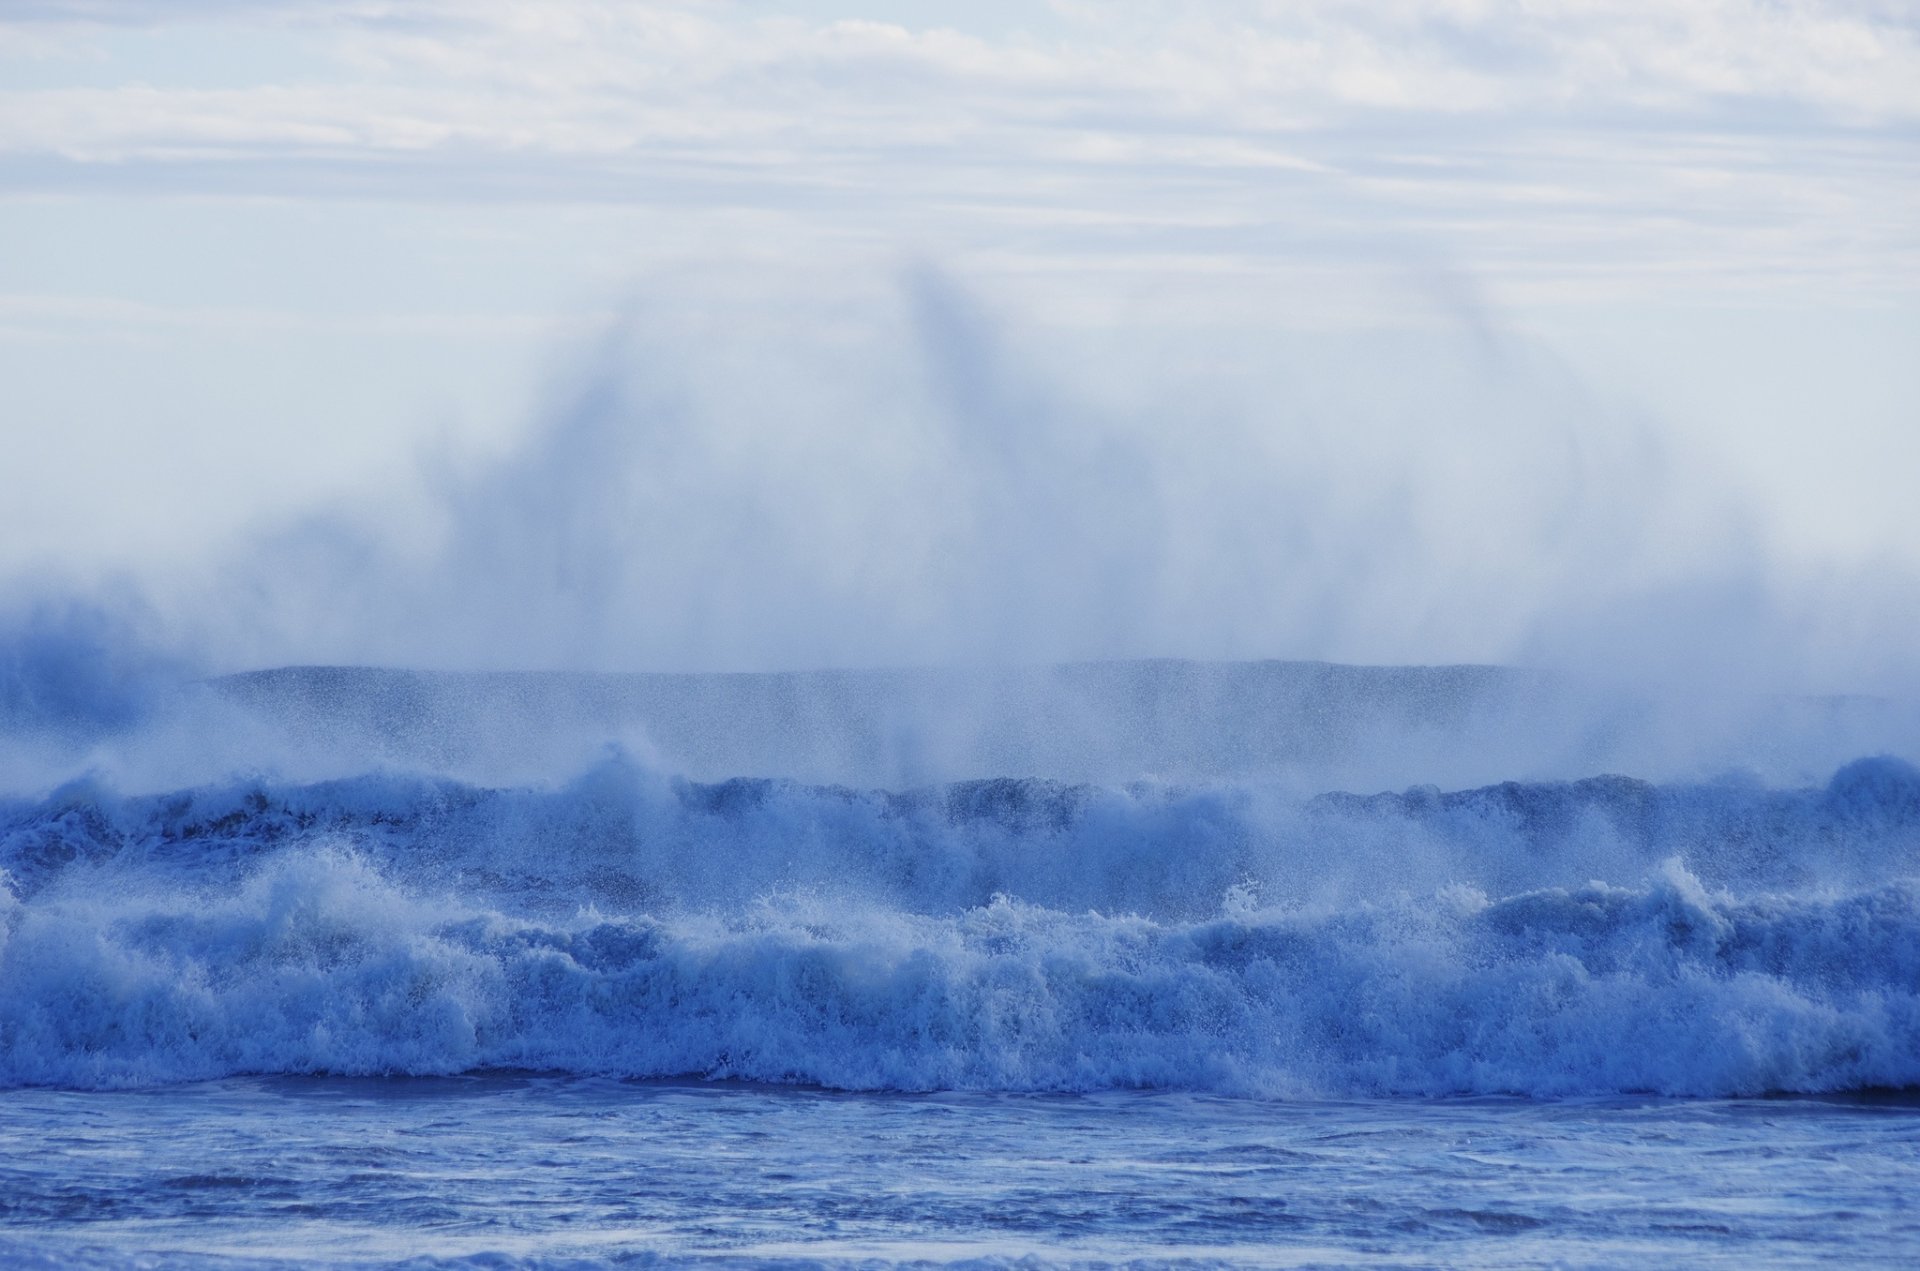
(1548, 938)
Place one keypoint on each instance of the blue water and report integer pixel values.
(546, 1171)
(406, 1012)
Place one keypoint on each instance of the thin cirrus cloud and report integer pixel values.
(1537, 140)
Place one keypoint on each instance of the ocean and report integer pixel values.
(507, 1170)
(322, 968)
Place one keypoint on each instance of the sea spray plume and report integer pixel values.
(73, 670)
(855, 478)
(867, 491)
(548, 557)
(92, 679)
(510, 560)
(1067, 528)
(915, 479)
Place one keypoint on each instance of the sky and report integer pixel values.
(738, 334)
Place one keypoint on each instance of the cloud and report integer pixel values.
(1562, 146)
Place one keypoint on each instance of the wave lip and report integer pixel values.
(988, 935)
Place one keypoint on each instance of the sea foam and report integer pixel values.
(1563, 938)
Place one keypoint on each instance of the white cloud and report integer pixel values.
(568, 76)
(1538, 141)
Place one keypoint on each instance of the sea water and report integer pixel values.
(404, 1015)
(523, 1170)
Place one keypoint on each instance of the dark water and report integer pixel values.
(537, 1171)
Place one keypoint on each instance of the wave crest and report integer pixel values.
(1015, 935)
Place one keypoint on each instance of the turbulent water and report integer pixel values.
(993, 935)
(1237, 940)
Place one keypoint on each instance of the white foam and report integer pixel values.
(1549, 940)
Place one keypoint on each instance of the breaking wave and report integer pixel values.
(1547, 938)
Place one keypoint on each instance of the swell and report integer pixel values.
(1549, 939)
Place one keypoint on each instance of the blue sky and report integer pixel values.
(264, 257)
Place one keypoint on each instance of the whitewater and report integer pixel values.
(1098, 978)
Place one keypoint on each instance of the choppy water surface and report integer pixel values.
(541, 1171)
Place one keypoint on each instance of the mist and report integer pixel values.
(765, 472)
(799, 475)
